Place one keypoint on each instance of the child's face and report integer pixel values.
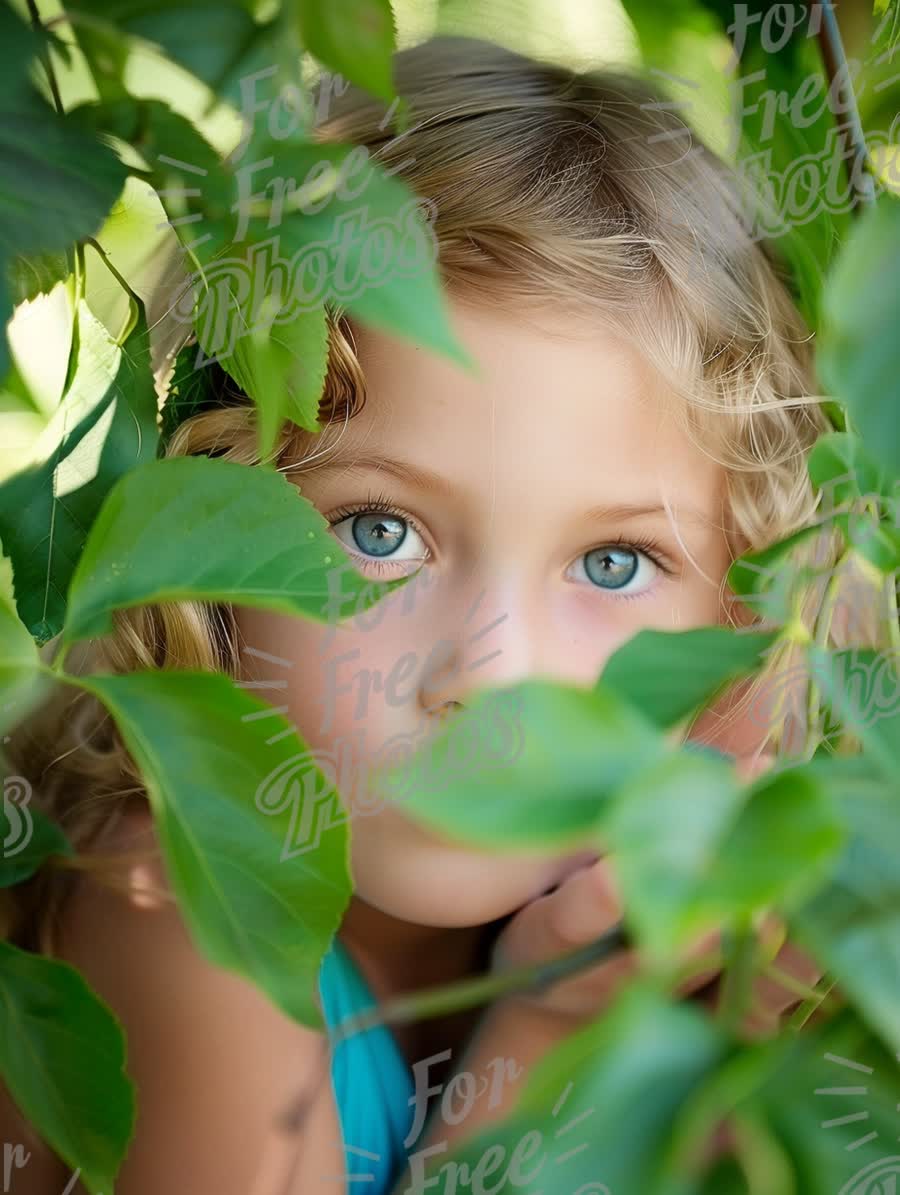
(502, 482)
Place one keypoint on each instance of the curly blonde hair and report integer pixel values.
(547, 186)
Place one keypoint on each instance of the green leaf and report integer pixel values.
(857, 356)
(532, 764)
(282, 367)
(753, 572)
(357, 38)
(23, 684)
(104, 426)
(601, 1105)
(62, 1054)
(691, 847)
(27, 836)
(852, 925)
(36, 275)
(339, 230)
(669, 674)
(219, 41)
(57, 180)
(861, 687)
(839, 463)
(198, 528)
(225, 801)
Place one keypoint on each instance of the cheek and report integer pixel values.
(355, 686)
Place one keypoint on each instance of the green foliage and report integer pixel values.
(104, 426)
(62, 1056)
(57, 181)
(204, 758)
(244, 535)
(98, 520)
(857, 358)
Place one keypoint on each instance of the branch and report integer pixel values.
(834, 59)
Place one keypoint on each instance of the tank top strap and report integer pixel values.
(372, 1083)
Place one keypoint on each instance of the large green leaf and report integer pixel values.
(691, 847)
(669, 674)
(857, 356)
(104, 426)
(225, 802)
(62, 1054)
(357, 38)
(198, 528)
(527, 765)
(57, 180)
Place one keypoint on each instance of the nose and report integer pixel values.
(492, 638)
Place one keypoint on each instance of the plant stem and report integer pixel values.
(834, 59)
(809, 1006)
(736, 983)
(469, 992)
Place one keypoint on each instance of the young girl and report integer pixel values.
(640, 418)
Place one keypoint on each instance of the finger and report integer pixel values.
(584, 906)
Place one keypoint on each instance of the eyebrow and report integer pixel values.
(425, 479)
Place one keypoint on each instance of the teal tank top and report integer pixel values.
(373, 1086)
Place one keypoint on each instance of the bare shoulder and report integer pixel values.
(213, 1062)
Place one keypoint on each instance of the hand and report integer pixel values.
(584, 906)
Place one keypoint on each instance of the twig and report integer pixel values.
(834, 59)
(470, 992)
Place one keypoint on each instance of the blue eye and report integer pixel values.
(379, 535)
(612, 568)
(618, 568)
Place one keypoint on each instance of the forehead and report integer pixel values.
(556, 398)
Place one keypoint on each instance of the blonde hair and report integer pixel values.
(583, 190)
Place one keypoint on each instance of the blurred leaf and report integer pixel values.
(691, 847)
(857, 351)
(852, 924)
(219, 41)
(104, 426)
(198, 528)
(209, 771)
(357, 38)
(532, 764)
(615, 1089)
(669, 674)
(62, 1054)
(839, 464)
(861, 686)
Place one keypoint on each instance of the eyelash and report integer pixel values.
(381, 504)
